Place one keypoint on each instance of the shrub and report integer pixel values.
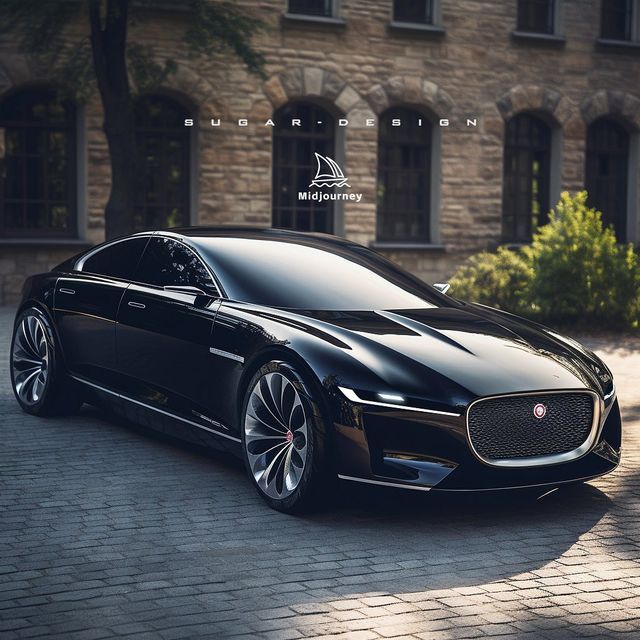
(574, 272)
(580, 273)
(498, 279)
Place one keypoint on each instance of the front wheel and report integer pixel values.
(284, 438)
(39, 381)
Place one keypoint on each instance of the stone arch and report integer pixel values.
(196, 89)
(620, 105)
(409, 90)
(536, 98)
(16, 71)
(301, 82)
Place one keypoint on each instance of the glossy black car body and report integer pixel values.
(398, 366)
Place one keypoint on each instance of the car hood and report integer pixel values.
(462, 352)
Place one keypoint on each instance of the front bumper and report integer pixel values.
(418, 450)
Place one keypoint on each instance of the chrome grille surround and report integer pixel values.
(542, 460)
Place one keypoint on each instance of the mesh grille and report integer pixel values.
(505, 428)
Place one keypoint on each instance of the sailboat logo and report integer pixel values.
(329, 173)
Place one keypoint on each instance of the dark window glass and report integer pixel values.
(617, 19)
(116, 260)
(404, 176)
(536, 16)
(418, 11)
(525, 196)
(169, 263)
(312, 7)
(38, 172)
(606, 174)
(295, 166)
(163, 147)
(335, 275)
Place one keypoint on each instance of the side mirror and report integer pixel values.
(442, 287)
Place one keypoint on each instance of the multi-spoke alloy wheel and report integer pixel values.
(276, 435)
(39, 380)
(30, 360)
(284, 438)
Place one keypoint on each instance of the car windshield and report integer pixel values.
(326, 275)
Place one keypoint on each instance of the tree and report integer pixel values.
(102, 56)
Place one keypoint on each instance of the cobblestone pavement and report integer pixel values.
(106, 530)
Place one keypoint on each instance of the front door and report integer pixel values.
(163, 335)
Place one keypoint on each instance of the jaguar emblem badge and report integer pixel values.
(539, 411)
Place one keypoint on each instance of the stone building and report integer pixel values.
(455, 125)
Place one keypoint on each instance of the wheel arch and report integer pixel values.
(49, 318)
(279, 352)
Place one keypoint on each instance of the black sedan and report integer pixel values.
(314, 358)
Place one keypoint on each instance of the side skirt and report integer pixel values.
(160, 412)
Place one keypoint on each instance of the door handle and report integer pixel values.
(71, 292)
(136, 305)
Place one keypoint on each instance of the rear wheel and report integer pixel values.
(283, 438)
(39, 381)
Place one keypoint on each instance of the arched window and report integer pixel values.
(525, 189)
(163, 147)
(38, 185)
(606, 172)
(302, 130)
(404, 176)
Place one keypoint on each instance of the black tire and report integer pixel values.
(315, 478)
(44, 388)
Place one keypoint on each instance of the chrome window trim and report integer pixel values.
(177, 238)
(148, 406)
(80, 264)
(149, 235)
(350, 394)
(555, 458)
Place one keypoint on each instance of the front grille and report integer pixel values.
(506, 427)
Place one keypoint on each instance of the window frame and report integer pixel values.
(333, 14)
(553, 10)
(436, 16)
(163, 133)
(74, 136)
(622, 235)
(80, 263)
(634, 26)
(432, 190)
(333, 206)
(220, 294)
(511, 237)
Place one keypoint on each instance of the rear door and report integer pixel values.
(163, 336)
(86, 305)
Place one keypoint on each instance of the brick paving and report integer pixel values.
(107, 530)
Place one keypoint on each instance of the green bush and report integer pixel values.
(499, 279)
(573, 272)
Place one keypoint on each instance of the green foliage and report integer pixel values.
(574, 272)
(209, 28)
(216, 26)
(580, 272)
(498, 279)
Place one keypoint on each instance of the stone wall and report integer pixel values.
(475, 69)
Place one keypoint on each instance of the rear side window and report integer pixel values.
(169, 263)
(118, 260)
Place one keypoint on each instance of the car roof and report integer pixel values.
(251, 233)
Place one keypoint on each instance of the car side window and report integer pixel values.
(117, 260)
(169, 263)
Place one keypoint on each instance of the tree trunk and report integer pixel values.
(109, 44)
